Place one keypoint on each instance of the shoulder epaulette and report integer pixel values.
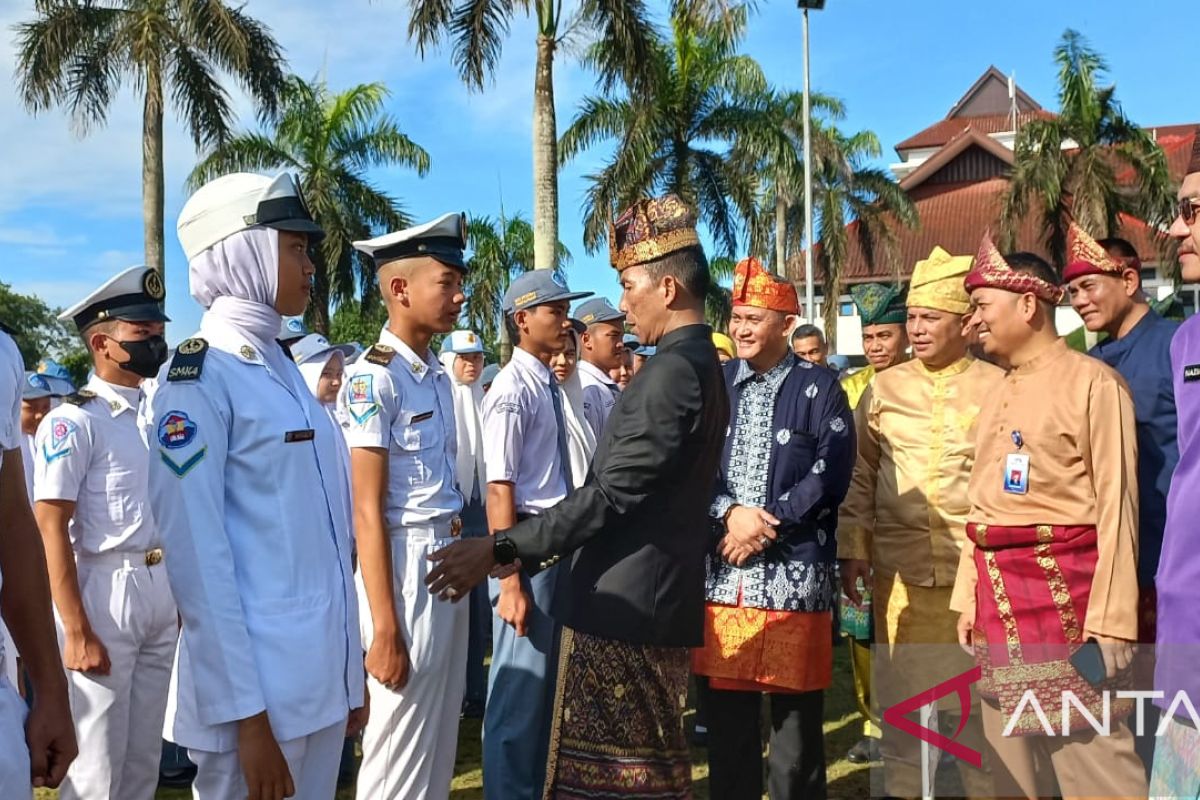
(380, 354)
(80, 397)
(188, 363)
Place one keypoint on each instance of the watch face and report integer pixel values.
(504, 551)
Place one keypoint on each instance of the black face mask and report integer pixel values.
(145, 356)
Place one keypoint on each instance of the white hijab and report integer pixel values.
(468, 398)
(236, 281)
(581, 441)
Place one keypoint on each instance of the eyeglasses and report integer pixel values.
(1188, 208)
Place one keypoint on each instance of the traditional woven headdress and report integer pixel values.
(937, 282)
(754, 286)
(649, 230)
(1085, 256)
(992, 271)
(879, 303)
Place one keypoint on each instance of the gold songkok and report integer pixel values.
(937, 283)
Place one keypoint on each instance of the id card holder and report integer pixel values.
(1016, 473)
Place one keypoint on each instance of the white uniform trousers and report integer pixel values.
(14, 755)
(312, 760)
(119, 716)
(411, 738)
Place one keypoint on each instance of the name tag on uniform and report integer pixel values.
(299, 436)
(1191, 373)
(422, 417)
(1016, 473)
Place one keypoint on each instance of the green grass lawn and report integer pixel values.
(842, 729)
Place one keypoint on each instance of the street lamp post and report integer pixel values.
(809, 301)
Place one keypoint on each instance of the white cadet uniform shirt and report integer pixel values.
(406, 408)
(255, 514)
(520, 434)
(599, 395)
(93, 455)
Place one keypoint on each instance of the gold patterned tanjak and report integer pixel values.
(992, 271)
(1085, 256)
(650, 229)
(937, 283)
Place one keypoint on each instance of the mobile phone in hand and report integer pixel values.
(1088, 661)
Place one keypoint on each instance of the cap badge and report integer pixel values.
(558, 281)
(295, 325)
(528, 297)
(152, 285)
(470, 338)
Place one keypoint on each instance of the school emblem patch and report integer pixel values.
(60, 430)
(360, 398)
(176, 430)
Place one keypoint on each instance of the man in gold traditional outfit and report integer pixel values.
(905, 515)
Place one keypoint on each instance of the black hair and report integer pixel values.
(1116, 246)
(807, 331)
(510, 325)
(1038, 267)
(689, 268)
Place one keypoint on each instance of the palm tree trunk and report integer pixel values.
(545, 159)
(780, 234)
(318, 304)
(152, 170)
(831, 301)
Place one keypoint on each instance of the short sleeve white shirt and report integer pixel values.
(599, 395)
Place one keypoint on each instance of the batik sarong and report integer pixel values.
(1031, 601)
(760, 650)
(618, 722)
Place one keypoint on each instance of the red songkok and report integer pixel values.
(992, 271)
(1085, 256)
(754, 286)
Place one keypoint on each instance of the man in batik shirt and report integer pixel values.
(771, 585)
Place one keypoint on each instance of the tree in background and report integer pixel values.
(1069, 166)
(359, 321)
(78, 53)
(331, 140)
(501, 249)
(673, 131)
(477, 29)
(846, 190)
(718, 304)
(39, 334)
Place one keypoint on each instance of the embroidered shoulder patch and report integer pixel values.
(380, 354)
(360, 398)
(188, 363)
(187, 466)
(176, 430)
(59, 443)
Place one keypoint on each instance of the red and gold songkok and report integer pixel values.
(650, 229)
(1085, 256)
(992, 271)
(754, 286)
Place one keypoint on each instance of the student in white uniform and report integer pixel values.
(323, 366)
(254, 507)
(526, 454)
(116, 617)
(406, 505)
(42, 747)
(601, 350)
(462, 358)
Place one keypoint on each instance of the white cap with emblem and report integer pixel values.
(443, 239)
(135, 294)
(232, 203)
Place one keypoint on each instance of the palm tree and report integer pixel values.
(673, 134)
(845, 190)
(331, 140)
(718, 303)
(1069, 166)
(775, 151)
(477, 29)
(78, 53)
(501, 249)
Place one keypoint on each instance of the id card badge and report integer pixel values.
(1016, 473)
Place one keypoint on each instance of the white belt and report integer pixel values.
(151, 557)
(436, 533)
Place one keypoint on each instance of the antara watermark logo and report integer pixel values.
(1070, 704)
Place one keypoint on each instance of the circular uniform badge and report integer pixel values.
(191, 346)
(152, 285)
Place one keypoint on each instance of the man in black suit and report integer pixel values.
(632, 599)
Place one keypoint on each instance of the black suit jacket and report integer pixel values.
(639, 528)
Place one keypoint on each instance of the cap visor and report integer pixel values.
(150, 312)
(315, 232)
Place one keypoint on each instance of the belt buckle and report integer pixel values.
(455, 527)
(154, 557)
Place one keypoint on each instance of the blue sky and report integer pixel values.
(70, 205)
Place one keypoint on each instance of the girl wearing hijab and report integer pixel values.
(322, 365)
(462, 358)
(581, 441)
(250, 491)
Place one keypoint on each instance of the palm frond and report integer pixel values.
(198, 97)
(478, 28)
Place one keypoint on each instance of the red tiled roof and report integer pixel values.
(942, 132)
(955, 217)
(1176, 143)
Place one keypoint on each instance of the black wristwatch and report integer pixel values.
(503, 549)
